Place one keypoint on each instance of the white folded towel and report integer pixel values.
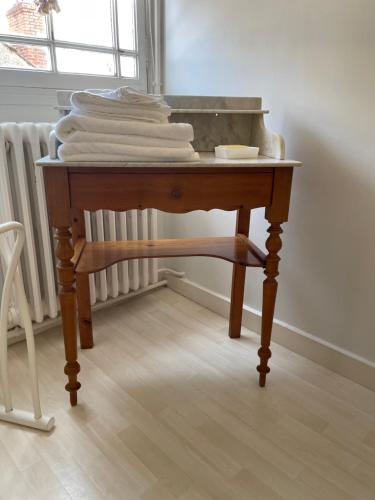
(123, 103)
(105, 157)
(122, 113)
(127, 95)
(122, 125)
(69, 150)
(75, 122)
(131, 140)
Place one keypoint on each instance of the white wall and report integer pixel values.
(314, 65)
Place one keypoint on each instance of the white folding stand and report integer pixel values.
(12, 277)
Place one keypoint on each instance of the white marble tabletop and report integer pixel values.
(206, 160)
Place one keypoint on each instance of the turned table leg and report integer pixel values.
(273, 246)
(67, 296)
(238, 279)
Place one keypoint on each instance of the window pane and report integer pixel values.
(84, 21)
(21, 18)
(128, 66)
(84, 61)
(15, 55)
(126, 24)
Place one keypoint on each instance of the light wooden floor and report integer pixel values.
(170, 409)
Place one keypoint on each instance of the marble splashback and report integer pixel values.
(213, 102)
(211, 130)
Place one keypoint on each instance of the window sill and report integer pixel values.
(45, 79)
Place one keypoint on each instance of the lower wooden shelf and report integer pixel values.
(95, 256)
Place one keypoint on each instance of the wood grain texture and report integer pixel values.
(83, 285)
(273, 245)
(58, 196)
(170, 192)
(172, 187)
(171, 410)
(67, 296)
(278, 210)
(84, 311)
(238, 278)
(60, 218)
(99, 255)
(78, 247)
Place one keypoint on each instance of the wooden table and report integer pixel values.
(239, 185)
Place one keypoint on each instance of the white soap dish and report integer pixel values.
(236, 152)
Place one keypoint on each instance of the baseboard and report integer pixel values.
(18, 334)
(345, 363)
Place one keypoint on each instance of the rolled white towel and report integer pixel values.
(81, 99)
(74, 122)
(134, 113)
(132, 140)
(99, 151)
(127, 95)
(121, 103)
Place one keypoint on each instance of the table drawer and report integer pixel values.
(170, 192)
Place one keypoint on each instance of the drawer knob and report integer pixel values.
(176, 193)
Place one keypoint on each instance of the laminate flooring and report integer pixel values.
(170, 408)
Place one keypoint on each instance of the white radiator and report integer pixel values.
(22, 199)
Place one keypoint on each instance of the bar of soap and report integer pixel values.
(236, 152)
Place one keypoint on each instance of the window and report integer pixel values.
(88, 37)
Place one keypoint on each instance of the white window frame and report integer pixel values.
(11, 77)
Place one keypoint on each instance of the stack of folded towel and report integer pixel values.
(122, 125)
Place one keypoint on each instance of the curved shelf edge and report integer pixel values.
(98, 255)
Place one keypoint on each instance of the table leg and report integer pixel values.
(236, 301)
(84, 311)
(273, 246)
(238, 279)
(83, 288)
(67, 296)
